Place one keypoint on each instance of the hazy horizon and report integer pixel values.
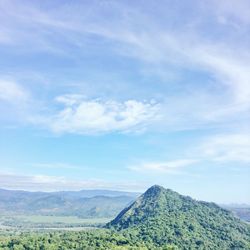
(138, 192)
(120, 96)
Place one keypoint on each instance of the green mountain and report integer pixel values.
(163, 217)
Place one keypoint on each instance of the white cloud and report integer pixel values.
(97, 116)
(227, 148)
(163, 167)
(12, 92)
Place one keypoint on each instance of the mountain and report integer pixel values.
(241, 211)
(96, 192)
(84, 203)
(163, 217)
(6, 194)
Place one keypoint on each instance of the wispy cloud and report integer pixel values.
(56, 165)
(238, 10)
(13, 92)
(220, 148)
(124, 33)
(168, 167)
(227, 148)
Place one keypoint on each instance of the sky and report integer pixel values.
(121, 95)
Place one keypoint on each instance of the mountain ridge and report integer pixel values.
(83, 192)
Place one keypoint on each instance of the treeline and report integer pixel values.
(90, 240)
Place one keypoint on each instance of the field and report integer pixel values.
(40, 222)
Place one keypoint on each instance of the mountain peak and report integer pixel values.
(155, 188)
(154, 191)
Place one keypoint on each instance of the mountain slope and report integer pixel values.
(165, 217)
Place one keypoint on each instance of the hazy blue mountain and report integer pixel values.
(4, 193)
(96, 192)
(84, 203)
(166, 217)
(241, 211)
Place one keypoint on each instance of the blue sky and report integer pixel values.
(120, 95)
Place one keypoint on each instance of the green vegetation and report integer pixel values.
(25, 222)
(159, 219)
(89, 240)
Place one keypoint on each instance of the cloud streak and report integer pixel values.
(57, 165)
(220, 148)
(227, 148)
(61, 183)
(165, 167)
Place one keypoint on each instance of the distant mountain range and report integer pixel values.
(241, 211)
(165, 217)
(84, 203)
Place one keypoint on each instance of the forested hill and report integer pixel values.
(165, 217)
